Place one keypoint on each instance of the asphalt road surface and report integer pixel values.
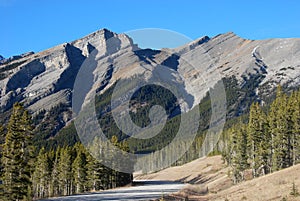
(144, 190)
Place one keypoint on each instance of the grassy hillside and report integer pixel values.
(209, 181)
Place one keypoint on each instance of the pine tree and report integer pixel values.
(54, 184)
(227, 149)
(265, 145)
(273, 139)
(95, 174)
(281, 140)
(28, 150)
(290, 135)
(17, 156)
(79, 169)
(295, 139)
(42, 175)
(125, 178)
(65, 171)
(239, 152)
(255, 135)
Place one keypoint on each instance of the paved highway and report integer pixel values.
(144, 190)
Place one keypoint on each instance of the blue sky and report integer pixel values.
(33, 25)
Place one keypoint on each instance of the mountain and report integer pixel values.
(45, 80)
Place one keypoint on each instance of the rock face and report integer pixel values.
(45, 79)
(275, 60)
(10, 59)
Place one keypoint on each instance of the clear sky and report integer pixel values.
(35, 25)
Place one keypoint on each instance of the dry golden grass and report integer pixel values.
(274, 186)
(210, 181)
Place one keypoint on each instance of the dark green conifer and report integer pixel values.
(17, 156)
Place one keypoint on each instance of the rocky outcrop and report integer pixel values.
(10, 59)
(33, 78)
(275, 60)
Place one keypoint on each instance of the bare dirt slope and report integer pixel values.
(209, 181)
(274, 186)
(209, 172)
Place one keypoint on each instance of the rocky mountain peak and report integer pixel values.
(104, 39)
(46, 78)
(192, 45)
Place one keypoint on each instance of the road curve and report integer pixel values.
(144, 190)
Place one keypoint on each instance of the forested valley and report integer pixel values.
(28, 173)
(36, 164)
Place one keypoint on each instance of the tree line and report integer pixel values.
(27, 173)
(269, 141)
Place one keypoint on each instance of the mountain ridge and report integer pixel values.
(45, 79)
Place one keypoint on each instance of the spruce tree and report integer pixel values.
(265, 145)
(255, 135)
(42, 175)
(295, 139)
(227, 150)
(242, 138)
(272, 129)
(234, 156)
(96, 175)
(54, 184)
(239, 152)
(290, 135)
(282, 136)
(65, 171)
(125, 178)
(273, 138)
(17, 156)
